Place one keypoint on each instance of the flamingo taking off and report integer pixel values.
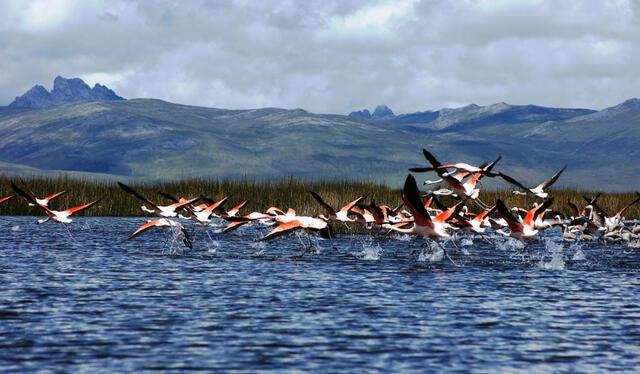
(61, 216)
(340, 215)
(163, 222)
(526, 229)
(163, 211)
(301, 222)
(537, 191)
(44, 201)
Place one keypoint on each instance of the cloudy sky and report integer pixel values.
(329, 56)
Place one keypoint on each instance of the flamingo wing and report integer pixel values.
(81, 207)
(233, 225)
(233, 211)
(355, 202)
(327, 207)
(411, 197)
(574, 209)
(503, 211)
(513, 181)
(53, 196)
(131, 191)
(2, 200)
(148, 225)
(451, 212)
(619, 213)
(282, 229)
(553, 179)
(30, 198)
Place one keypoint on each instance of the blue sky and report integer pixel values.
(329, 56)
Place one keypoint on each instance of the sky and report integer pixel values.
(329, 56)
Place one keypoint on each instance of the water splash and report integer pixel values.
(213, 246)
(403, 237)
(509, 244)
(466, 242)
(579, 254)
(432, 254)
(557, 257)
(259, 246)
(370, 250)
(15, 228)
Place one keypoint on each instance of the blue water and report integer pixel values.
(89, 301)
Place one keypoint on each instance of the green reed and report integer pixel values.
(285, 193)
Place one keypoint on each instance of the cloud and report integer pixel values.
(329, 56)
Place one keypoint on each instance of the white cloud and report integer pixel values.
(330, 56)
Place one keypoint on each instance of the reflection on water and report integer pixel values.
(386, 304)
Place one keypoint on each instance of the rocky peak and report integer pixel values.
(361, 114)
(64, 91)
(382, 111)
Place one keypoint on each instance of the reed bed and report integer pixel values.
(285, 193)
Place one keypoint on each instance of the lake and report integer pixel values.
(90, 301)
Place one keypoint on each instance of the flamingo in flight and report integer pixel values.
(459, 188)
(536, 191)
(44, 201)
(163, 211)
(301, 222)
(204, 216)
(202, 213)
(524, 230)
(340, 215)
(425, 226)
(163, 222)
(461, 169)
(61, 216)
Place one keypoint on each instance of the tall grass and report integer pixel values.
(286, 193)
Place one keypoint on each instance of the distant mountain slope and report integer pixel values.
(64, 91)
(153, 139)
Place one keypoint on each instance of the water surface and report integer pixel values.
(89, 301)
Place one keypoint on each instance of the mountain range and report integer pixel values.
(72, 131)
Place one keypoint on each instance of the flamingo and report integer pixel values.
(340, 215)
(61, 216)
(163, 211)
(478, 224)
(524, 230)
(424, 225)
(204, 216)
(44, 201)
(163, 222)
(459, 188)
(537, 191)
(470, 169)
(301, 222)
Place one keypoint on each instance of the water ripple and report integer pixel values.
(99, 303)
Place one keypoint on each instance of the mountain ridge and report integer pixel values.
(151, 139)
(65, 91)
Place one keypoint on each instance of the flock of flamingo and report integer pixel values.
(425, 216)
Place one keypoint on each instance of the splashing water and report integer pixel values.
(579, 254)
(15, 228)
(431, 255)
(212, 246)
(509, 244)
(370, 250)
(259, 246)
(466, 242)
(557, 258)
(403, 237)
